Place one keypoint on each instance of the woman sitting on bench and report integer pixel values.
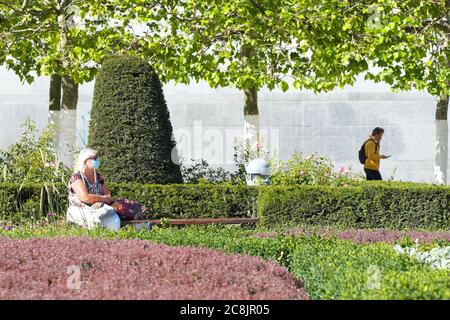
(89, 198)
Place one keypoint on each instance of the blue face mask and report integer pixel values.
(95, 164)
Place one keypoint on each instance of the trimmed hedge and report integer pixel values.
(171, 201)
(390, 206)
(191, 201)
(336, 269)
(32, 201)
(130, 124)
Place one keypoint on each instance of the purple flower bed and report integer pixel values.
(365, 236)
(84, 268)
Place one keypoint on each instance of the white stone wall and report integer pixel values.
(206, 121)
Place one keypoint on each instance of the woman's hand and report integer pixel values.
(107, 199)
(97, 205)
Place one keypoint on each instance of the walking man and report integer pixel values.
(372, 151)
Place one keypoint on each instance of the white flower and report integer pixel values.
(437, 258)
(398, 248)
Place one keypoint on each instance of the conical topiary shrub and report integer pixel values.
(130, 126)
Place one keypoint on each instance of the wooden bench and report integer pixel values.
(194, 221)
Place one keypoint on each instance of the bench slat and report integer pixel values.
(195, 221)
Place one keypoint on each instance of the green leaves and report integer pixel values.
(32, 37)
(280, 34)
(32, 158)
(130, 125)
(284, 86)
(319, 44)
(327, 268)
(391, 206)
(408, 32)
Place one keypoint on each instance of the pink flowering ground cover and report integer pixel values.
(365, 236)
(86, 268)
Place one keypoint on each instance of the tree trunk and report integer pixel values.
(251, 118)
(68, 120)
(68, 124)
(441, 157)
(55, 106)
(251, 113)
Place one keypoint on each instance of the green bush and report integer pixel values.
(200, 170)
(311, 170)
(130, 126)
(373, 205)
(31, 177)
(33, 159)
(173, 201)
(334, 269)
(389, 205)
(191, 201)
(20, 204)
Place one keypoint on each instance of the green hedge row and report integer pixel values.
(33, 201)
(391, 206)
(191, 201)
(172, 201)
(336, 269)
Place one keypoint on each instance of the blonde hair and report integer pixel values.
(82, 157)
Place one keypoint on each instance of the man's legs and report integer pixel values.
(373, 174)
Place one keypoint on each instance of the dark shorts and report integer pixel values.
(373, 174)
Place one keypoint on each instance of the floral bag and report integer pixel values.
(129, 209)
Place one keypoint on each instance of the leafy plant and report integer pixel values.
(33, 160)
(372, 205)
(184, 201)
(311, 170)
(200, 171)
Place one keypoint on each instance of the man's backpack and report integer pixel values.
(362, 151)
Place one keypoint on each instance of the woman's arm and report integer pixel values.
(106, 192)
(82, 193)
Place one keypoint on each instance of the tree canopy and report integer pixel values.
(66, 37)
(406, 42)
(248, 44)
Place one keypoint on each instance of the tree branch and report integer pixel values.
(439, 23)
(444, 26)
(258, 6)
